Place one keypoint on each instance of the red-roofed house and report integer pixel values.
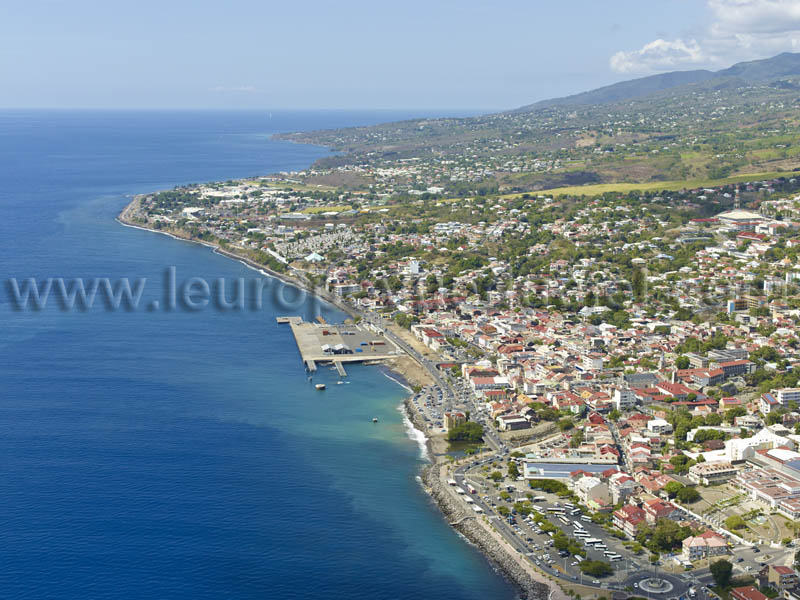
(779, 577)
(747, 592)
(657, 509)
(629, 519)
(704, 545)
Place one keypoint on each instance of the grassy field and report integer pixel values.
(295, 186)
(602, 188)
(312, 210)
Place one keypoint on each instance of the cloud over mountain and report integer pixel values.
(739, 30)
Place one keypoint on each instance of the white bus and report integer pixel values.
(593, 541)
(615, 558)
(539, 499)
(477, 508)
(563, 519)
(460, 490)
(555, 511)
(586, 518)
(451, 482)
(471, 489)
(575, 511)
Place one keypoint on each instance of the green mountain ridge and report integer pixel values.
(679, 126)
(783, 65)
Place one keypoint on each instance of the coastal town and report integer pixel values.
(609, 383)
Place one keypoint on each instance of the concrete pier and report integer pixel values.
(338, 344)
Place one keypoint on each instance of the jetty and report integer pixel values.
(323, 342)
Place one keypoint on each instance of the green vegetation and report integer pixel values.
(550, 485)
(722, 571)
(605, 188)
(466, 432)
(734, 522)
(513, 470)
(596, 568)
(666, 536)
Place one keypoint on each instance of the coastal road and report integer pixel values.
(449, 394)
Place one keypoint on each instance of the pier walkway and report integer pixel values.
(338, 344)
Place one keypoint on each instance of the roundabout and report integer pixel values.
(657, 585)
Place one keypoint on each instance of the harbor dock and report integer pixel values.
(337, 344)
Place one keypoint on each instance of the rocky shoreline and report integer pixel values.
(464, 523)
(468, 526)
(467, 523)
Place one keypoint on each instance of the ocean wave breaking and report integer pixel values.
(415, 434)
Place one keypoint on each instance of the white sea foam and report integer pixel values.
(415, 434)
(398, 382)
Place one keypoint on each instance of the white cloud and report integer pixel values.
(659, 55)
(740, 30)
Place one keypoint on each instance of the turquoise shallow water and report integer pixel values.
(185, 455)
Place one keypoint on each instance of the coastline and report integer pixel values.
(407, 372)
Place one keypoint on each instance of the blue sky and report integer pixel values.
(358, 54)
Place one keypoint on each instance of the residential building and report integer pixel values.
(705, 545)
(747, 593)
(629, 519)
(710, 473)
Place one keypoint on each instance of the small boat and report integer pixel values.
(374, 419)
(320, 386)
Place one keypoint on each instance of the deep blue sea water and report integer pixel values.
(178, 455)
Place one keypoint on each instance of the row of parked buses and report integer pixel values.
(585, 537)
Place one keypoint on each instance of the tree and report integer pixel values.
(496, 476)
(722, 571)
(734, 522)
(736, 411)
(513, 470)
(466, 432)
(682, 363)
(688, 495)
(577, 439)
(596, 568)
(672, 488)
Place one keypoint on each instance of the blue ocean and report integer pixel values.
(185, 455)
